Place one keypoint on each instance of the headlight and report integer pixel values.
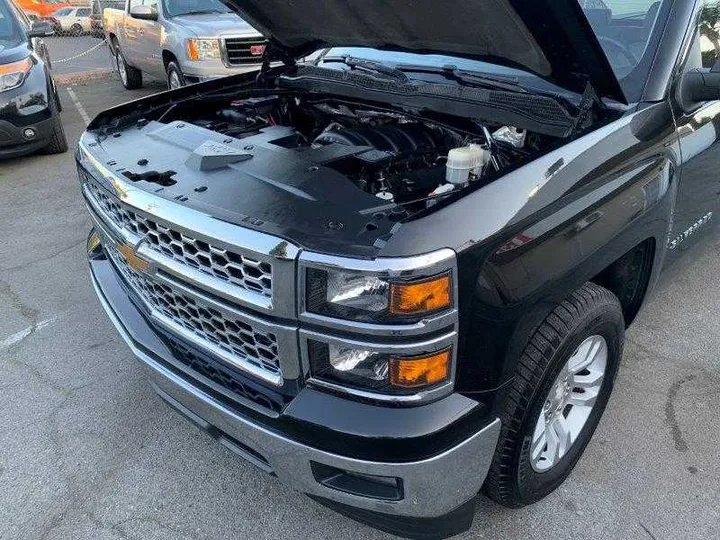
(369, 298)
(203, 49)
(13, 75)
(376, 371)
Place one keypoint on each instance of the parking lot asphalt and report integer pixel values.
(87, 450)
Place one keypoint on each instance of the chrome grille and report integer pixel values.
(240, 270)
(241, 50)
(233, 336)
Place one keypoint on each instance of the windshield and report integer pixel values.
(624, 29)
(174, 8)
(10, 33)
(62, 11)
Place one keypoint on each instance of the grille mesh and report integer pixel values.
(222, 376)
(239, 270)
(231, 335)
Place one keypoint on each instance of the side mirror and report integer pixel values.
(40, 29)
(698, 85)
(144, 13)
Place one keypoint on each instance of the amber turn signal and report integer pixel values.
(22, 66)
(420, 371)
(192, 50)
(421, 297)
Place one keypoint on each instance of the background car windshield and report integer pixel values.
(10, 33)
(174, 8)
(62, 11)
(624, 29)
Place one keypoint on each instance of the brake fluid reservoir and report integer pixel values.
(464, 161)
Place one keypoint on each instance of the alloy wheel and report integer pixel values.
(121, 67)
(569, 403)
(174, 80)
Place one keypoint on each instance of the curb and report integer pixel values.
(66, 79)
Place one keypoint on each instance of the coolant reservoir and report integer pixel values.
(463, 161)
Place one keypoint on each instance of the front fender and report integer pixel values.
(529, 239)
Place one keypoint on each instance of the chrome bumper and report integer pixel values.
(213, 69)
(431, 487)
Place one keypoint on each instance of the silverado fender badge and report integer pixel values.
(136, 263)
(687, 233)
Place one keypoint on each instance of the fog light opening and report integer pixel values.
(384, 488)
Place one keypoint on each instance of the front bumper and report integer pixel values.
(440, 487)
(13, 141)
(212, 69)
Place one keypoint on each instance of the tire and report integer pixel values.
(76, 30)
(58, 142)
(175, 77)
(526, 466)
(130, 77)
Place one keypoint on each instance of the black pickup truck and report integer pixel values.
(401, 273)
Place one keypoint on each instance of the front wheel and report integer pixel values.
(175, 77)
(130, 77)
(57, 144)
(561, 387)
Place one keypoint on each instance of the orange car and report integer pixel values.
(37, 9)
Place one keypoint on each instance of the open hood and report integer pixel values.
(551, 38)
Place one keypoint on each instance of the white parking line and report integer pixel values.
(78, 106)
(22, 334)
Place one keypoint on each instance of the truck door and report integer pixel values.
(697, 206)
(143, 39)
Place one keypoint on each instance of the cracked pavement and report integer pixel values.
(87, 451)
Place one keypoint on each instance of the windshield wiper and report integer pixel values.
(469, 78)
(369, 65)
(400, 73)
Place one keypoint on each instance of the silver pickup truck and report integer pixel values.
(182, 41)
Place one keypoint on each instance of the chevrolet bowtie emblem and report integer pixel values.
(135, 262)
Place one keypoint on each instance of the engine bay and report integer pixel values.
(332, 172)
(399, 158)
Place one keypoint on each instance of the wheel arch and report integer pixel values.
(628, 277)
(167, 57)
(112, 42)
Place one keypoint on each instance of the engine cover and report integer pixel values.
(262, 182)
(396, 139)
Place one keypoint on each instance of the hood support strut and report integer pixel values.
(273, 53)
(590, 101)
